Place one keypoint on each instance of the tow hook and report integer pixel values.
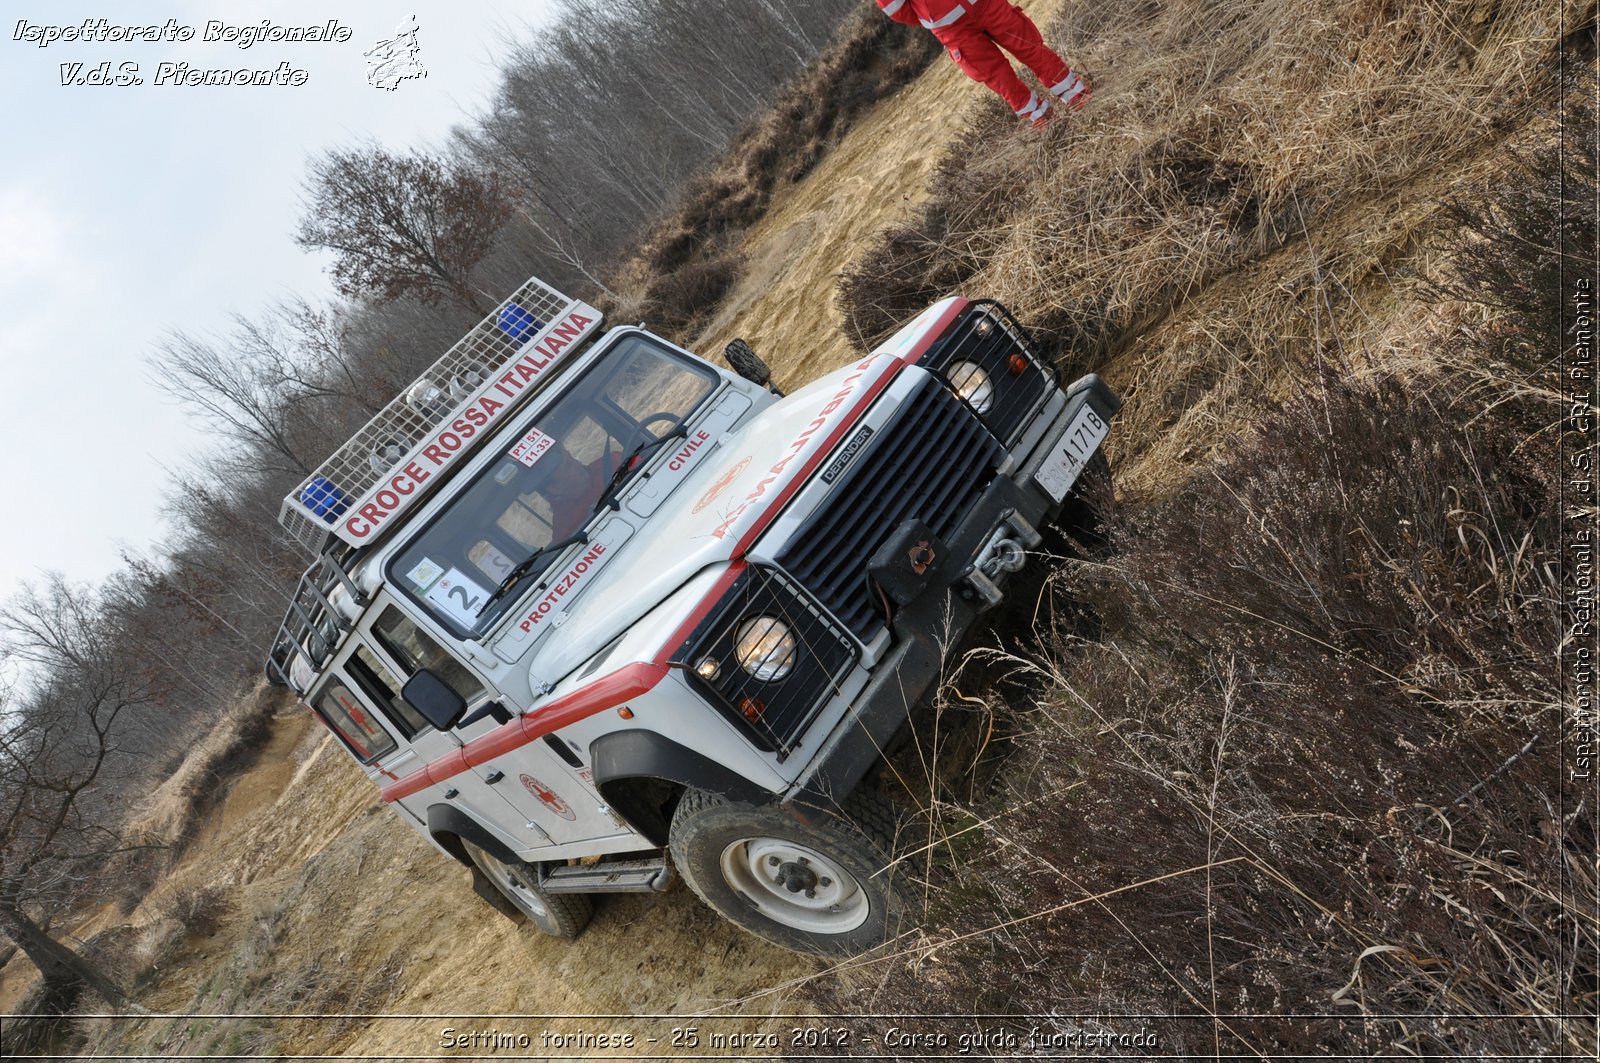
(1005, 551)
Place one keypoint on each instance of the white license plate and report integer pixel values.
(1071, 452)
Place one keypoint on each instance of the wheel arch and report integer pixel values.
(448, 825)
(631, 767)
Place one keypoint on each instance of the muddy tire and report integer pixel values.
(561, 915)
(823, 889)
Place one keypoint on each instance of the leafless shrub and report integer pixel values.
(200, 909)
(1514, 244)
(1222, 134)
(677, 298)
(174, 810)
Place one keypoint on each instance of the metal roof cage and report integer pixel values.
(362, 466)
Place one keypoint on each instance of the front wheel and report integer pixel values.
(561, 915)
(828, 888)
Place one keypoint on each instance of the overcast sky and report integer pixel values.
(129, 212)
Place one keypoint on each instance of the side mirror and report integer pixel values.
(748, 364)
(435, 699)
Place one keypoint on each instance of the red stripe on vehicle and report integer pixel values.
(935, 330)
(621, 686)
(778, 501)
(701, 611)
(626, 683)
(929, 336)
(798, 480)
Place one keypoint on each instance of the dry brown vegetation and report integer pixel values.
(688, 259)
(1281, 776)
(1242, 193)
(175, 809)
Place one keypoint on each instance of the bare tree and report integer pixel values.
(59, 744)
(246, 392)
(400, 224)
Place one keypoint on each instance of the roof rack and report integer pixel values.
(410, 439)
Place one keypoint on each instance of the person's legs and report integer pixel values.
(975, 52)
(1014, 31)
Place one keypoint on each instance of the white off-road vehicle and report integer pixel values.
(590, 609)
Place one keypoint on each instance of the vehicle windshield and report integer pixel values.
(544, 487)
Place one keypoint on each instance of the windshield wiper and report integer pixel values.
(526, 565)
(649, 446)
(516, 575)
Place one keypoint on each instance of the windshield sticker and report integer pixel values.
(490, 561)
(456, 596)
(424, 574)
(532, 447)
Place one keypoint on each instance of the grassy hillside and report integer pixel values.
(1288, 761)
(1282, 770)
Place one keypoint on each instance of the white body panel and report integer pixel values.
(733, 491)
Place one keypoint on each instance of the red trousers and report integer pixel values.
(975, 40)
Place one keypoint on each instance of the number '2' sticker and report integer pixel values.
(456, 596)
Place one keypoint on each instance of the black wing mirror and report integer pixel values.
(435, 699)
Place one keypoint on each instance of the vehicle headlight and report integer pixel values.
(766, 648)
(972, 384)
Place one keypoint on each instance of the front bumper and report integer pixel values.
(933, 616)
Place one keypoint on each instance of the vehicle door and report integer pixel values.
(545, 785)
(551, 786)
(397, 650)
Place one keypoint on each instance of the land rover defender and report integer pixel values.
(594, 612)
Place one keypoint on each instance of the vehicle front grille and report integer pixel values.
(986, 335)
(773, 711)
(931, 463)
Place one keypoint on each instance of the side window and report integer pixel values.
(415, 650)
(381, 685)
(351, 721)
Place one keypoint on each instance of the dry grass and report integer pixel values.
(688, 260)
(281, 960)
(1292, 787)
(167, 821)
(1249, 184)
(170, 814)
(1302, 789)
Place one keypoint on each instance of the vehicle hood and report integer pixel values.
(690, 511)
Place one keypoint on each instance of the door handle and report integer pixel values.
(494, 776)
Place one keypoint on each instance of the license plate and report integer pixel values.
(1071, 452)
